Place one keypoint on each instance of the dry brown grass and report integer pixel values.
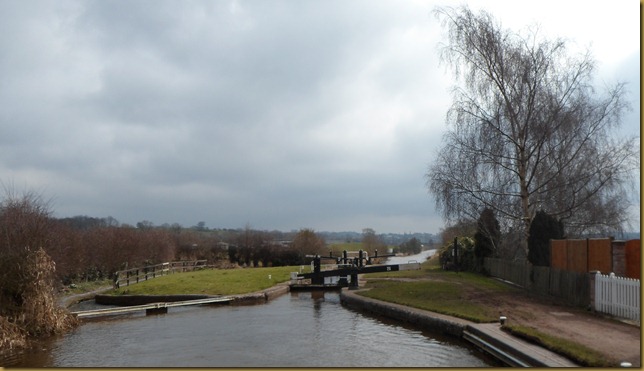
(30, 309)
(12, 336)
(28, 306)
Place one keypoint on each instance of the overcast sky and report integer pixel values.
(276, 114)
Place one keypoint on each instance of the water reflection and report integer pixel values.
(304, 329)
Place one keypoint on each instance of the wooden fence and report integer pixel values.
(572, 287)
(136, 275)
(592, 254)
(617, 296)
(632, 256)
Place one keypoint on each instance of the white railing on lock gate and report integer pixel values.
(617, 296)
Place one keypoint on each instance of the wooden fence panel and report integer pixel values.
(633, 260)
(554, 288)
(577, 254)
(600, 255)
(541, 280)
(572, 287)
(517, 273)
(494, 267)
(558, 254)
(579, 290)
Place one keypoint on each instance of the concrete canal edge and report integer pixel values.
(419, 318)
(261, 296)
(488, 337)
(242, 299)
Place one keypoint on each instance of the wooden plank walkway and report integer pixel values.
(149, 307)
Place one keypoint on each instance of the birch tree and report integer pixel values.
(527, 131)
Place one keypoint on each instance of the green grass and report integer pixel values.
(436, 290)
(337, 248)
(210, 282)
(436, 296)
(576, 352)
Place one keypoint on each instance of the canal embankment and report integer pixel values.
(133, 300)
(490, 338)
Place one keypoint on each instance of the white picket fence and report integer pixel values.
(618, 296)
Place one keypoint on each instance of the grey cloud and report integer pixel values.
(282, 114)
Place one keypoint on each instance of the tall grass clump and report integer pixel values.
(27, 274)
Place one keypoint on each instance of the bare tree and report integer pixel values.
(306, 241)
(527, 131)
(371, 242)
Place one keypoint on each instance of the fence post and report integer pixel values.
(613, 290)
(593, 289)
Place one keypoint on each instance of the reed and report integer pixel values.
(29, 307)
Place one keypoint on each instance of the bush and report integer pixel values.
(465, 258)
(543, 228)
(27, 273)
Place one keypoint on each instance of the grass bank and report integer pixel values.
(579, 353)
(211, 282)
(431, 288)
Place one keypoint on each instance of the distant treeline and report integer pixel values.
(90, 248)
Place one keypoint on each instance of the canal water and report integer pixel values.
(299, 329)
(418, 258)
